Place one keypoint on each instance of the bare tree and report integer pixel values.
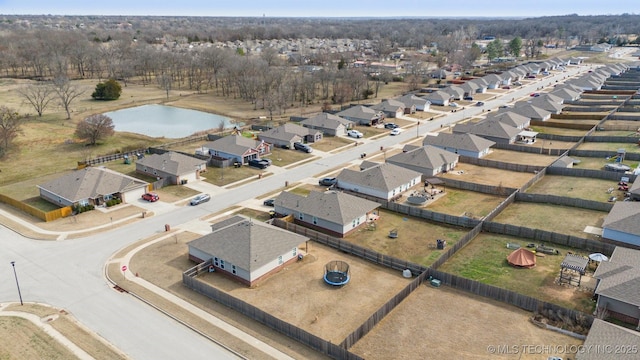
(10, 127)
(66, 92)
(38, 96)
(166, 82)
(94, 128)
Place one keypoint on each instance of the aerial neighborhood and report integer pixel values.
(343, 198)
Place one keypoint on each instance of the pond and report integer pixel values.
(166, 121)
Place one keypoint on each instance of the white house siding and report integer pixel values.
(621, 236)
(274, 264)
(364, 190)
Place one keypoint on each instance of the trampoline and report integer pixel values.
(336, 273)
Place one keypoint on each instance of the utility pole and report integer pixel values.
(13, 264)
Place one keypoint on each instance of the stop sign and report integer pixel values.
(124, 268)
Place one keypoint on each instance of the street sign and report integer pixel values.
(124, 268)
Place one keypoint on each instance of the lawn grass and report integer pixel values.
(460, 202)
(575, 187)
(613, 147)
(484, 259)
(330, 143)
(560, 219)
(597, 163)
(558, 131)
(254, 214)
(416, 237)
(285, 157)
(228, 175)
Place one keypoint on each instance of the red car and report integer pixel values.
(151, 197)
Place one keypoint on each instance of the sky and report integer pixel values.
(323, 8)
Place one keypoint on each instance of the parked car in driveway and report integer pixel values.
(355, 134)
(302, 147)
(468, 98)
(390, 126)
(269, 202)
(453, 104)
(150, 197)
(328, 181)
(260, 164)
(202, 198)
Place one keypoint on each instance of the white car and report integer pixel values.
(453, 104)
(395, 131)
(354, 133)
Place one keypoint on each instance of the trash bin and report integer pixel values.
(167, 227)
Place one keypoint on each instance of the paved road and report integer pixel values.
(69, 274)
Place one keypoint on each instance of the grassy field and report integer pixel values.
(485, 259)
(488, 176)
(517, 157)
(558, 131)
(560, 219)
(416, 237)
(575, 187)
(613, 147)
(598, 163)
(462, 202)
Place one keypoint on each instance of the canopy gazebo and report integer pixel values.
(572, 264)
(522, 258)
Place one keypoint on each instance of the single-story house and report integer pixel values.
(176, 168)
(439, 74)
(511, 118)
(622, 224)
(246, 250)
(393, 108)
(440, 98)
(384, 181)
(618, 286)
(329, 124)
(531, 111)
(288, 134)
(427, 160)
(490, 129)
(332, 212)
(419, 103)
(236, 147)
(462, 144)
(456, 92)
(604, 337)
(92, 186)
(566, 93)
(481, 85)
(362, 115)
(493, 81)
(469, 88)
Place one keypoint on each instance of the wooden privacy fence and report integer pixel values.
(481, 188)
(564, 201)
(590, 173)
(529, 149)
(111, 157)
(190, 280)
(40, 214)
(500, 164)
(543, 236)
(614, 139)
(464, 240)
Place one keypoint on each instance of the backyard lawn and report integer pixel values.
(488, 176)
(485, 259)
(558, 131)
(560, 219)
(416, 241)
(613, 147)
(575, 187)
(518, 157)
(465, 203)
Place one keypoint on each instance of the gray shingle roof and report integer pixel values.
(490, 128)
(510, 118)
(172, 163)
(605, 335)
(620, 276)
(383, 177)
(246, 243)
(411, 99)
(359, 112)
(530, 111)
(624, 217)
(468, 142)
(90, 183)
(427, 157)
(333, 206)
(232, 144)
(326, 121)
(288, 132)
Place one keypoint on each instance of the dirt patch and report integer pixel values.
(517, 157)
(311, 304)
(443, 323)
(488, 176)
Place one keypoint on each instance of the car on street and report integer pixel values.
(150, 197)
(506, 87)
(355, 134)
(479, 103)
(302, 147)
(503, 106)
(534, 94)
(395, 132)
(390, 126)
(328, 181)
(269, 202)
(202, 198)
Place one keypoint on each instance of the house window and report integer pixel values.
(233, 269)
(353, 224)
(295, 251)
(301, 216)
(84, 202)
(280, 262)
(358, 221)
(315, 220)
(216, 262)
(221, 264)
